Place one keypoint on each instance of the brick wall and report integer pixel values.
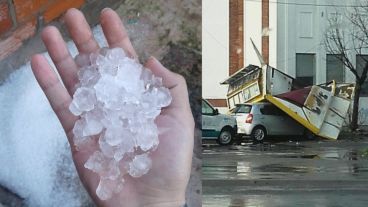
(22, 20)
(5, 19)
(218, 102)
(19, 19)
(236, 35)
(236, 43)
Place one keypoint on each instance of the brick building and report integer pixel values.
(228, 26)
(19, 20)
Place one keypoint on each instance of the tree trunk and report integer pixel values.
(355, 115)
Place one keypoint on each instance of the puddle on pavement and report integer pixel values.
(290, 161)
(271, 160)
(292, 150)
(345, 164)
(301, 156)
(276, 147)
(341, 154)
(285, 200)
(282, 168)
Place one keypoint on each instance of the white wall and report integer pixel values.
(252, 29)
(215, 48)
(298, 32)
(301, 29)
(273, 34)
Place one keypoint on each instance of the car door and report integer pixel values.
(272, 119)
(287, 125)
(293, 127)
(209, 121)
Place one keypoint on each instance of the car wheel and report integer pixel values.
(225, 137)
(258, 134)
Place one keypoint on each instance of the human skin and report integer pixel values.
(165, 183)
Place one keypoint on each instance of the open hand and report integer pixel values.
(165, 184)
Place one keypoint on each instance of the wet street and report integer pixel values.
(286, 173)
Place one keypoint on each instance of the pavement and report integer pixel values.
(286, 172)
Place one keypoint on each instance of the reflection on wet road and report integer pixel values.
(305, 173)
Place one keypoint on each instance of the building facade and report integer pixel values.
(227, 29)
(289, 34)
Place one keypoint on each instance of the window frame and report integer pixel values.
(365, 84)
(342, 68)
(209, 106)
(297, 77)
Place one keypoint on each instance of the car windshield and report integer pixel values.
(242, 109)
(206, 108)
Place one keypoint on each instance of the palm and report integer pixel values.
(165, 183)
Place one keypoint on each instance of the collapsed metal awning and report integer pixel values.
(319, 108)
(241, 74)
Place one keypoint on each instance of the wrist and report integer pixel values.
(153, 200)
(167, 201)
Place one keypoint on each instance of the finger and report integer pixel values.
(55, 92)
(115, 33)
(80, 31)
(61, 57)
(175, 82)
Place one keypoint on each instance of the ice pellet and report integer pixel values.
(140, 165)
(117, 100)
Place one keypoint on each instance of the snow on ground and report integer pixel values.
(34, 154)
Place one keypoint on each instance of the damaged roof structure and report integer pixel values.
(319, 108)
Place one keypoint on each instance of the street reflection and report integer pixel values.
(289, 173)
(243, 168)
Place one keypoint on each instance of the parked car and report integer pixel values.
(259, 120)
(217, 126)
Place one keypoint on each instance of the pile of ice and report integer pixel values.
(117, 100)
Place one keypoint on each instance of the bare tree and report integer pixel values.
(347, 37)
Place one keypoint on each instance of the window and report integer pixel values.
(251, 91)
(206, 109)
(231, 102)
(305, 26)
(361, 60)
(271, 110)
(334, 68)
(237, 98)
(241, 96)
(305, 68)
(243, 109)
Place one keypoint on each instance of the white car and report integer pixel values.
(262, 119)
(217, 126)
